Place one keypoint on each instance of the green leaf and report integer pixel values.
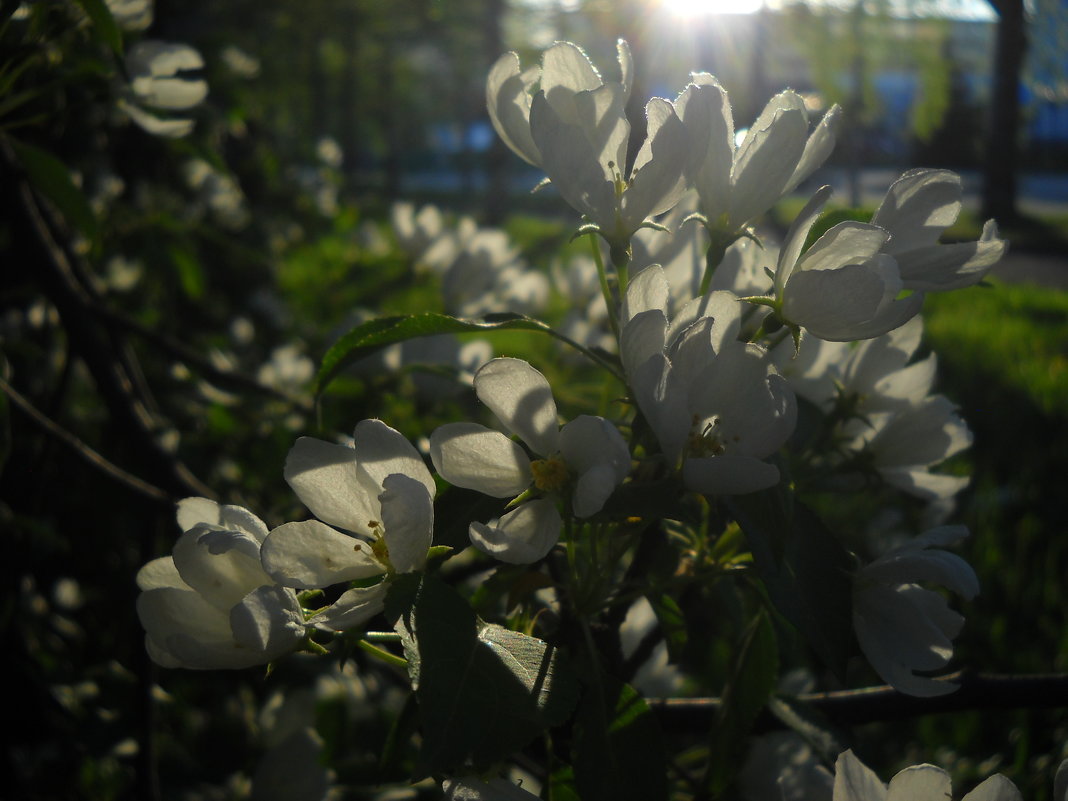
(374, 335)
(51, 177)
(190, 273)
(806, 570)
(672, 622)
(618, 749)
(752, 681)
(483, 691)
(103, 24)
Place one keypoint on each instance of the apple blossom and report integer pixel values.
(902, 627)
(380, 491)
(855, 781)
(211, 605)
(586, 459)
(917, 208)
(737, 184)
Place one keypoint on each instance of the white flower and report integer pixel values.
(576, 130)
(162, 77)
(211, 605)
(587, 456)
(565, 71)
(904, 444)
(843, 287)
(918, 207)
(855, 781)
(714, 403)
(738, 184)
(131, 15)
(381, 492)
(902, 627)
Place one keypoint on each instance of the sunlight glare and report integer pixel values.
(690, 9)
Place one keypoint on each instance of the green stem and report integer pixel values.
(384, 655)
(606, 290)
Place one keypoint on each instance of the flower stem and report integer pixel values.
(606, 290)
(384, 655)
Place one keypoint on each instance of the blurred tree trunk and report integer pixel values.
(1003, 140)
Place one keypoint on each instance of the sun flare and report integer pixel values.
(690, 9)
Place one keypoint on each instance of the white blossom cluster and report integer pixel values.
(718, 343)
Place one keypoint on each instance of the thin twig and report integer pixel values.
(882, 703)
(83, 450)
(191, 358)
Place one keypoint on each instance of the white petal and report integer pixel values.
(1060, 782)
(382, 451)
(818, 147)
(167, 127)
(996, 788)
(352, 609)
(522, 400)
(939, 268)
(508, 103)
(643, 337)
(941, 567)
(524, 535)
(160, 573)
(920, 783)
(571, 162)
(222, 566)
(855, 781)
(268, 621)
(768, 157)
(846, 243)
(185, 629)
(408, 518)
(565, 71)
(656, 180)
(918, 207)
(706, 112)
(660, 393)
(592, 490)
(648, 290)
(311, 555)
(796, 236)
(192, 511)
(326, 480)
(474, 457)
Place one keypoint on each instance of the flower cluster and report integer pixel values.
(745, 377)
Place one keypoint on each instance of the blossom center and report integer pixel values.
(549, 474)
(706, 442)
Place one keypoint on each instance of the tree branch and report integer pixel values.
(870, 704)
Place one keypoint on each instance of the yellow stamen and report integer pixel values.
(549, 474)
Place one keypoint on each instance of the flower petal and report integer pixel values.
(855, 781)
(995, 788)
(918, 207)
(223, 566)
(408, 519)
(768, 157)
(524, 535)
(383, 451)
(474, 457)
(268, 621)
(311, 555)
(920, 783)
(352, 609)
(522, 400)
(326, 480)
